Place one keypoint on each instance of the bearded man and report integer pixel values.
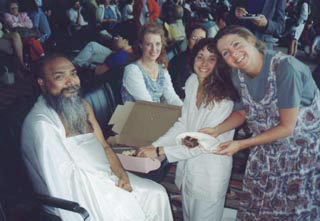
(68, 157)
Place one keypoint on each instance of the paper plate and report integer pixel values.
(206, 141)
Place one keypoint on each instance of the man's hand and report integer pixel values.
(124, 182)
(261, 21)
(148, 151)
(228, 148)
(240, 12)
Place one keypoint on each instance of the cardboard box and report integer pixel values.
(139, 124)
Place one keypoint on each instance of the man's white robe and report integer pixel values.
(76, 168)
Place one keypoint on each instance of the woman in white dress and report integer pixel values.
(201, 176)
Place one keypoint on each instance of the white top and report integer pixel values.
(77, 169)
(73, 15)
(134, 83)
(303, 13)
(198, 172)
(127, 12)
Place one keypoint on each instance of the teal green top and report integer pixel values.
(295, 85)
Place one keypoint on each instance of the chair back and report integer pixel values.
(103, 103)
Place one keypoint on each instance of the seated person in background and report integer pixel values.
(145, 11)
(179, 67)
(75, 16)
(175, 28)
(82, 32)
(68, 157)
(206, 20)
(108, 15)
(101, 58)
(127, 10)
(147, 78)
(202, 177)
(11, 43)
(38, 17)
(20, 22)
(121, 55)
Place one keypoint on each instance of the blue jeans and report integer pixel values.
(40, 21)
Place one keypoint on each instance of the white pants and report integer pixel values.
(201, 210)
(92, 53)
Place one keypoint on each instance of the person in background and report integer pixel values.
(108, 15)
(147, 78)
(145, 11)
(75, 16)
(67, 155)
(39, 18)
(101, 59)
(270, 22)
(175, 28)
(298, 26)
(11, 43)
(281, 104)
(202, 177)
(81, 31)
(127, 11)
(179, 67)
(20, 22)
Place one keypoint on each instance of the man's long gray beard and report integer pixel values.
(71, 110)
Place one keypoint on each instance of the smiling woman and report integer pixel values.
(281, 104)
(147, 78)
(201, 176)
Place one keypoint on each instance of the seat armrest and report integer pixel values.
(46, 201)
(62, 204)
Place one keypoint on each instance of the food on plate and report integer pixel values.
(190, 142)
(132, 153)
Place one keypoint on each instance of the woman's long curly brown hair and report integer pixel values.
(218, 85)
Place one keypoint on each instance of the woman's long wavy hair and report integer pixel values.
(218, 85)
(156, 29)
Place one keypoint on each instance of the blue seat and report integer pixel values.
(103, 104)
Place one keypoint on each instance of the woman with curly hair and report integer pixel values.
(147, 78)
(201, 176)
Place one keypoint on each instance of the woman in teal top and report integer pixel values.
(281, 104)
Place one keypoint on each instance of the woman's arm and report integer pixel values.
(134, 83)
(235, 119)
(285, 127)
(169, 93)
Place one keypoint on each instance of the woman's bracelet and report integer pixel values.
(158, 151)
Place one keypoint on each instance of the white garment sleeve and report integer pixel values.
(168, 139)
(44, 145)
(134, 83)
(303, 13)
(72, 16)
(180, 152)
(169, 93)
(176, 152)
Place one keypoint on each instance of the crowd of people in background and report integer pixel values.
(45, 26)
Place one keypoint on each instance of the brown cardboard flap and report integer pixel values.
(143, 122)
